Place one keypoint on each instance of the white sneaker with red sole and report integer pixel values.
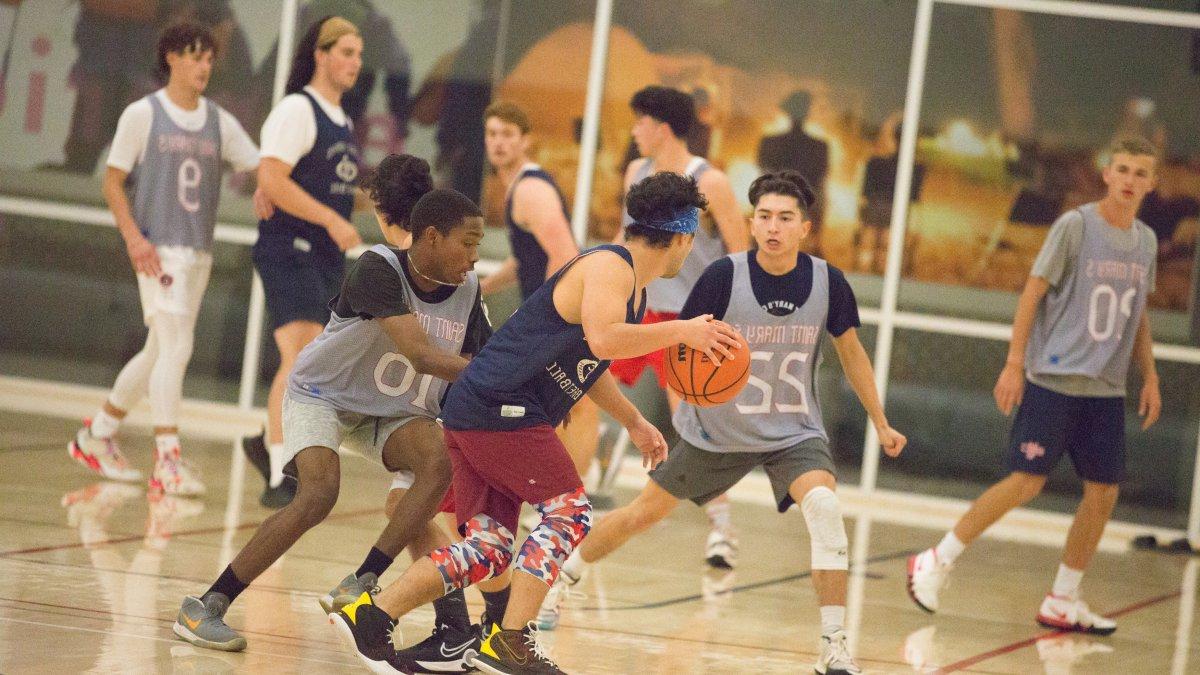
(1073, 615)
(101, 456)
(926, 577)
(173, 476)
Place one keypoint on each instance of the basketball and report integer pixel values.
(692, 375)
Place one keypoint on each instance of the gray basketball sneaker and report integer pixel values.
(348, 591)
(202, 623)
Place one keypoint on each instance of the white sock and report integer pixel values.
(575, 566)
(1066, 582)
(833, 618)
(104, 425)
(166, 444)
(949, 549)
(719, 514)
(275, 455)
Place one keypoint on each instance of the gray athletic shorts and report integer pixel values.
(700, 475)
(307, 425)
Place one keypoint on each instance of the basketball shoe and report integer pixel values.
(926, 577)
(515, 652)
(721, 549)
(548, 614)
(447, 650)
(835, 656)
(202, 623)
(101, 455)
(173, 476)
(348, 591)
(367, 630)
(1072, 614)
(255, 450)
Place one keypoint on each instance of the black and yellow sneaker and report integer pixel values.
(514, 652)
(448, 650)
(367, 630)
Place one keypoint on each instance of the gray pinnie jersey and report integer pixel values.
(353, 366)
(668, 295)
(778, 408)
(177, 183)
(1087, 324)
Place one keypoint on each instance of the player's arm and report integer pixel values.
(129, 140)
(1150, 400)
(537, 208)
(274, 176)
(412, 342)
(857, 366)
(1010, 386)
(502, 278)
(723, 206)
(648, 439)
(607, 283)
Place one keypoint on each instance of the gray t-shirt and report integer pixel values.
(1058, 263)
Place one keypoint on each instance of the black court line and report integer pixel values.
(746, 587)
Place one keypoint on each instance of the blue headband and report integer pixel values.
(684, 222)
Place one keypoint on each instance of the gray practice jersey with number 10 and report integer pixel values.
(177, 183)
(1086, 324)
(778, 407)
(353, 366)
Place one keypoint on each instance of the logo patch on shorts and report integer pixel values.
(166, 280)
(1032, 450)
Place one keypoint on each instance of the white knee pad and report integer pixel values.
(826, 529)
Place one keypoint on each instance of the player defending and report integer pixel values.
(663, 117)
(1079, 321)
(170, 146)
(372, 382)
(499, 420)
(782, 300)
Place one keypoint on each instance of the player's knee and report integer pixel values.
(316, 497)
(826, 529)
(1102, 493)
(434, 468)
(570, 515)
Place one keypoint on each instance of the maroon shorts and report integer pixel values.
(629, 370)
(495, 471)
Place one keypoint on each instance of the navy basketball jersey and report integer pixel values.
(534, 369)
(531, 258)
(329, 174)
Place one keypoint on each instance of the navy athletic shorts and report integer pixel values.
(1091, 430)
(298, 281)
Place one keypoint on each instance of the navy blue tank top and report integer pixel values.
(534, 369)
(531, 257)
(329, 173)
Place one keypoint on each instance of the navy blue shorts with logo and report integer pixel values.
(298, 278)
(1089, 429)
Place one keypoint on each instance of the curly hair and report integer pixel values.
(788, 183)
(396, 185)
(659, 198)
(181, 38)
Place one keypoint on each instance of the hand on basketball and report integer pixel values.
(649, 440)
(1010, 387)
(890, 440)
(144, 256)
(1150, 404)
(264, 208)
(344, 234)
(712, 338)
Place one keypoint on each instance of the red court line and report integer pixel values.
(180, 533)
(1000, 651)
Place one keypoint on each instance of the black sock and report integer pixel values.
(451, 610)
(497, 604)
(228, 584)
(376, 563)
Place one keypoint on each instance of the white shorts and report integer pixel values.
(180, 287)
(307, 425)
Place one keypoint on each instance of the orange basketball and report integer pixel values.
(692, 375)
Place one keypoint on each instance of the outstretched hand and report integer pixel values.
(649, 441)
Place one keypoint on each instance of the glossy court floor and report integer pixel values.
(91, 575)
